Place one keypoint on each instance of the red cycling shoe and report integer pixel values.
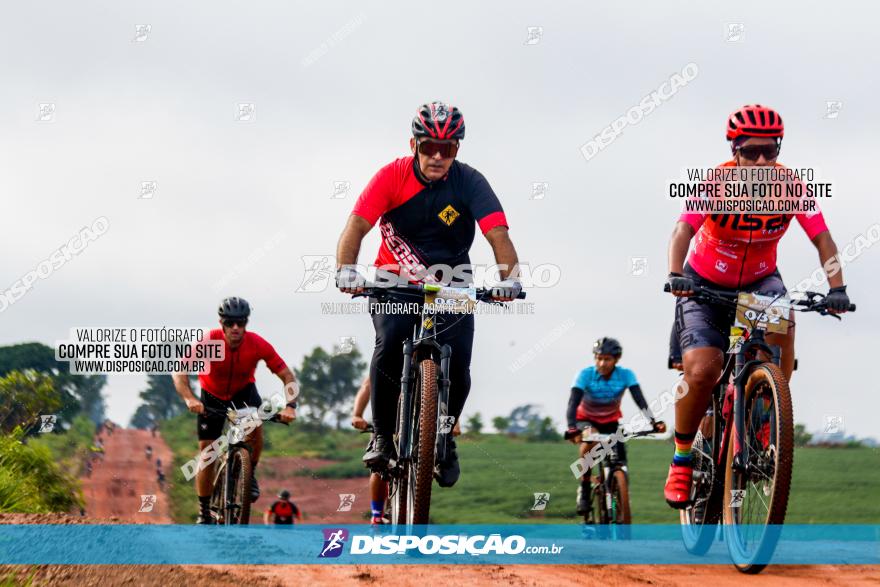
(678, 486)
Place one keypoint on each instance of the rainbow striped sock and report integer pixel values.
(683, 444)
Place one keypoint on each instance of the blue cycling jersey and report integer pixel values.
(602, 397)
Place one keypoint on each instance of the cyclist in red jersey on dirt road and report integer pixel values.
(734, 254)
(230, 383)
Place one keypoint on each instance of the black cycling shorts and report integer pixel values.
(708, 325)
(210, 426)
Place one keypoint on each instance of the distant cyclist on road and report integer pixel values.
(428, 206)
(230, 383)
(733, 253)
(149, 452)
(282, 511)
(594, 402)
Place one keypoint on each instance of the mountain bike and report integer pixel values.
(744, 448)
(231, 494)
(609, 493)
(422, 422)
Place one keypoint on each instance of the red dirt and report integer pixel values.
(114, 492)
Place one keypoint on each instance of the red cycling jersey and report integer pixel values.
(237, 368)
(428, 224)
(733, 250)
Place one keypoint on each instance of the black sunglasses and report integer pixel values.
(431, 148)
(753, 152)
(230, 322)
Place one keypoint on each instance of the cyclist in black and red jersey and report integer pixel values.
(230, 383)
(428, 206)
(283, 511)
(733, 253)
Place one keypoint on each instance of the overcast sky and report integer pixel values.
(334, 87)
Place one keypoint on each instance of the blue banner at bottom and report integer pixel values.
(437, 544)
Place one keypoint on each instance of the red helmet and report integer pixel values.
(754, 120)
(438, 121)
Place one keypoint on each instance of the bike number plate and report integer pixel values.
(455, 299)
(770, 313)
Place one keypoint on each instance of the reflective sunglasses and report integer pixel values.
(753, 152)
(230, 322)
(431, 148)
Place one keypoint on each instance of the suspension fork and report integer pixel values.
(443, 401)
(740, 448)
(404, 421)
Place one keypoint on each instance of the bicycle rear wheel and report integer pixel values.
(699, 522)
(421, 472)
(756, 495)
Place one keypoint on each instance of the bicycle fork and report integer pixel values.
(444, 425)
(403, 440)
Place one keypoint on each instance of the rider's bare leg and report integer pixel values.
(378, 488)
(255, 439)
(702, 368)
(786, 344)
(206, 474)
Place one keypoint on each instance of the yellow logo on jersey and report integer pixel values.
(428, 323)
(448, 215)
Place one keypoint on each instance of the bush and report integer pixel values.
(31, 481)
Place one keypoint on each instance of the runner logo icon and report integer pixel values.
(334, 539)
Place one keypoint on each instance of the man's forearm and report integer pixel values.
(361, 400)
(181, 385)
(291, 387)
(505, 253)
(349, 245)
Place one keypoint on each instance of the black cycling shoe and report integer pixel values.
(583, 500)
(380, 452)
(447, 471)
(205, 519)
(255, 488)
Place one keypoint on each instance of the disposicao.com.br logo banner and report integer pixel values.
(147, 544)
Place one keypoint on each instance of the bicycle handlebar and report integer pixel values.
(810, 304)
(484, 294)
(225, 414)
(598, 436)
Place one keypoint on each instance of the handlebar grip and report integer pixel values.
(275, 418)
(522, 296)
(852, 308)
(666, 288)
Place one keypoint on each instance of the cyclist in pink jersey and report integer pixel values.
(734, 252)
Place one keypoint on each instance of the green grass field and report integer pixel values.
(501, 474)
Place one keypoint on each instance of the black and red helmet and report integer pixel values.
(754, 120)
(438, 120)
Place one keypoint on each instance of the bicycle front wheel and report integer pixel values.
(756, 493)
(421, 472)
(238, 502)
(620, 511)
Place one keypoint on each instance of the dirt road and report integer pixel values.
(125, 475)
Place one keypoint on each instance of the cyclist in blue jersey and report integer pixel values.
(595, 400)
